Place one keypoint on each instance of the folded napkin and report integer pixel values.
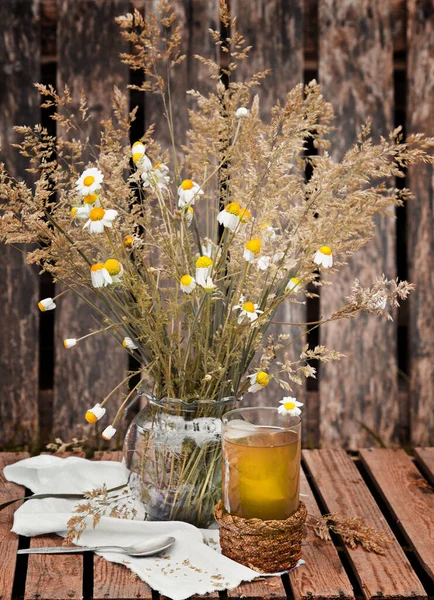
(189, 567)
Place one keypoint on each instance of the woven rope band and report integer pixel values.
(265, 546)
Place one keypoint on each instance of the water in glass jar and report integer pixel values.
(261, 473)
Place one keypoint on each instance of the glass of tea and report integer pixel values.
(261, 463)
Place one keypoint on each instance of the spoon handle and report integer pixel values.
(69, 550)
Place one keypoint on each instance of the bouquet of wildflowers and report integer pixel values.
(185, 254)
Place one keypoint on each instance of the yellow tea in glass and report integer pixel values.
(261, 463)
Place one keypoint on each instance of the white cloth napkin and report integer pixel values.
(189, 567)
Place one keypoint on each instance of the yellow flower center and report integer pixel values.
(245, 216)
(90, 198)
(325, 250)
(157, 166)
(137, 144)
(41, 307)
(186, 280)
(233, 208)
(113, 266)
(203, 262)
(96, 214)
(137, 156)
(254, 246)
(187, 184)
(249, 307)
(290, 405)
(262, 378)
(87, 181)
(191, 210)
(128, 241)
(124, 343)
(90, 417)
(295, 280)
(97, 267)
(73, 211)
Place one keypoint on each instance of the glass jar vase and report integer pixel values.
(173, 451)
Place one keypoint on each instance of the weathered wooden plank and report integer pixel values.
(269, 587)
(343, 491)
(409, 497)
(355, 71)
(420, 218)
(19, 292)
(113, 581)
(8, 540)
(323, 575)
(425, 456)
(82, 375)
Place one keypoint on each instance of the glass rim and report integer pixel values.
(298, 419)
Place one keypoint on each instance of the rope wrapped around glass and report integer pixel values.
(260, 515)
(173, 451)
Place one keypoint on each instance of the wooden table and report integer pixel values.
(390, 489)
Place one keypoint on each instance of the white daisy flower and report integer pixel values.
(46, 304)
(210, 249)
(91, 200)
(138, 148)
(189, 215)
(89, 181)
(209, 285)
(263, 263)
(99, 218)
(290, 406)
(114, 269)
(241, 112)
(80, 212)
(188, 193)
(294, 284)
(69, 342)
(108, 433)
(252, 249)
(94, 414)
(139, 157)
(128, 343)
(100, 276)
(229, 217)
(268, 233)
(323, 257)
(203, 269)
(158, 176)
(247, 309)
(258, 381)
(187, 284)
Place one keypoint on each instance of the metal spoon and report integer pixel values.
(146, 548)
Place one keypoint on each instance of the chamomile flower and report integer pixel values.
(323, 257)
(114, 269)
(139, 157)
(289, 406)
(258, 381)
(209, 285)
(69, 342)
(46, 304)
(247, 310)
(187, 284)
(294, 284)
(128, 343)
(188, 193)
(252, 249)
(95, 414)
(241, 112)
(91, 200)
(189, 215)
(100, 276)
(108, 433)
(158, 176)
(263, 262)
(89, 181)
(203, 269)
(229, 217)
(267, 233)
(128, 241)
(99, 218)
(80, 212)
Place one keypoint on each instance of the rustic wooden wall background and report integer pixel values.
(374, 58)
